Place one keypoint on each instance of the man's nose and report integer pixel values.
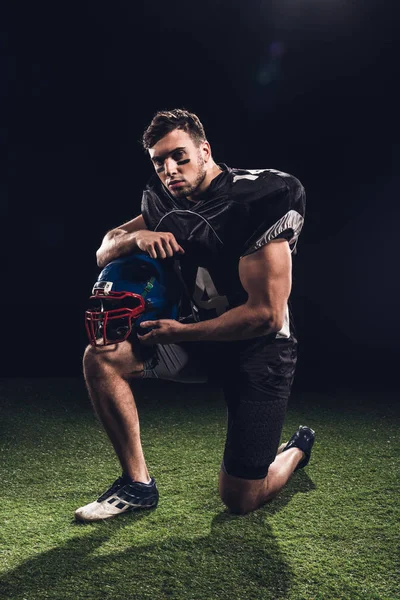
(170, 166)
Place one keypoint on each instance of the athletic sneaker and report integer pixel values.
(303, 439)
(124, 495)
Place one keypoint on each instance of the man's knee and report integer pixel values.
(239, 503)
(241, 496)
(235, 504)
(119, 357)
(95, 356)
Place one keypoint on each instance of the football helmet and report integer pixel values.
(129, 290)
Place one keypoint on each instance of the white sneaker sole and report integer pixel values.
(97, 511)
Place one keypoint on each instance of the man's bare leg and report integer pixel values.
(108, 370)
(245, 495)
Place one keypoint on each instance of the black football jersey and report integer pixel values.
(241, 211)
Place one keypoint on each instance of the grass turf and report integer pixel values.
(332, 533)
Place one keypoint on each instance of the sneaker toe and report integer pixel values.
(95, 511)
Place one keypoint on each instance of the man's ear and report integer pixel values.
(205, 150)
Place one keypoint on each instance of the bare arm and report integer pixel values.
(119, 241)
(266, 277)
(134, 234)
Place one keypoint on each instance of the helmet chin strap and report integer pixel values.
(149, 286)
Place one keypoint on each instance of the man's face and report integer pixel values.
(180, 164)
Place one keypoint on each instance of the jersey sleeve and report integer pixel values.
(276, 213)
(153, 207)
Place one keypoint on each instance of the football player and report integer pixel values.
(233, 233)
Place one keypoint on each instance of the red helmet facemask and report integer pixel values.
(110, 320)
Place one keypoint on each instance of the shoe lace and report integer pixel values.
(118, 483)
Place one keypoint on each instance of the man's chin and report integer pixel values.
(181, 192)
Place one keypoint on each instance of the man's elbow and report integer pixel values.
(272, 320)
(102, 252)
(100, 258)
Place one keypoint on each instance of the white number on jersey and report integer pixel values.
(206, 295)
(252, 174)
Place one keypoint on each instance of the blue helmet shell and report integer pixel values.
(155, 281)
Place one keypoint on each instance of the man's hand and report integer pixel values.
(164, 331)
(158, 244)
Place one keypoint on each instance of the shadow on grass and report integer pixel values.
(239, 558)
(299, 483)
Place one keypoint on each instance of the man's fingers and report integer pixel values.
(165, 246)
(145, 336)
(176, 247)
(160, 250)
(149, 324)
(152, 252)
(146, 339)
(159, 244)
(168, 248)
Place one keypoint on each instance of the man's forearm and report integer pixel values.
(115, 244)
(240, 323)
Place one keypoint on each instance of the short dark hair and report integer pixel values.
(165, 121)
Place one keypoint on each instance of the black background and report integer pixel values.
(304, 86)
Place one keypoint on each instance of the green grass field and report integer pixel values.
(333, 532)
